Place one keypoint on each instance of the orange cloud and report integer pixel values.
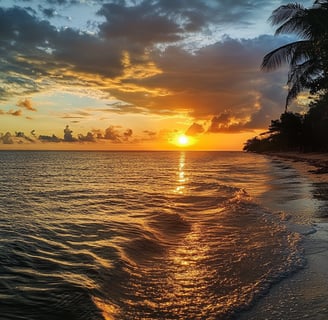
(27, 104)
(16, 113)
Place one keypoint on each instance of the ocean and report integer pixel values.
(143, 235)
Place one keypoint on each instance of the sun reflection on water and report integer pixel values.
(180, 188)
(108, 311)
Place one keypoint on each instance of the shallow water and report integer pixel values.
(142, 235)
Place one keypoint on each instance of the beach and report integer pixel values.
(303, 295)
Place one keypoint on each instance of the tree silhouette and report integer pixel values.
(308, 57)
(308, 69)
(296, 132)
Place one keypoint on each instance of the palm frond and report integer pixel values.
(304, 51)
(302, 77)
(304, 73)
(307, 58)
(307, 23)
(297, 25)
(321, 2)
(284, 54)
(285, 12)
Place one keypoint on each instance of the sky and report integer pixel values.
(137, 74)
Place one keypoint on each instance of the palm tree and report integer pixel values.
(308, 57)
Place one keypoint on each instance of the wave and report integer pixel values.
(139, 242)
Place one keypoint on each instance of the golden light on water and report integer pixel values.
(180, 188)
(108, 311)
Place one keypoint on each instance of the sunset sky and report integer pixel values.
(137, 74)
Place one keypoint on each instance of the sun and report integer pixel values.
(183, 140)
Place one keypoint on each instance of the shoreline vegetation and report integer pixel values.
(307, 58)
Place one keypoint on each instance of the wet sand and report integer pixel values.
(314, 163)
(304, 295)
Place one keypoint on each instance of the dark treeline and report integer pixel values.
(296, 132)
(308, 70)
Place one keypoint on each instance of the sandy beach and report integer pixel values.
(303, 295)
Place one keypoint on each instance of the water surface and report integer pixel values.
(141, 235)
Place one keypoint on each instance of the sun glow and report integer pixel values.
(182, 140)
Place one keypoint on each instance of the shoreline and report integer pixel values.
(319, 161)
(304, 294)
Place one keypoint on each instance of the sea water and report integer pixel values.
(140, 235)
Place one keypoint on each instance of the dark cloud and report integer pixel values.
(195, 129)
(49, 12)
(6, 138)
(97, 133)
(140, 24)
(127, 134)
(21, 134)
(68, 135)
(166, 21)
(89, 137)
(226, 122)
(33, 50)
(218, 77)
(126, 59)
(112, 134)
(53, 138)
(88, 54)
(18, 28)
(60, 2)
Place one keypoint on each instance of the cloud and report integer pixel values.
(6, 138)
(89, 137)
(226, 122)
(139, 24)
(195, 129)
(127, 134)
(16, 113)
(53, 138)
(68, 136)
(149, 133)
(21, 134)
(48, 12)
(152, 56)
(111, 133)
(18, 138)
(80, 114)
(225, 75)
(27, 104)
